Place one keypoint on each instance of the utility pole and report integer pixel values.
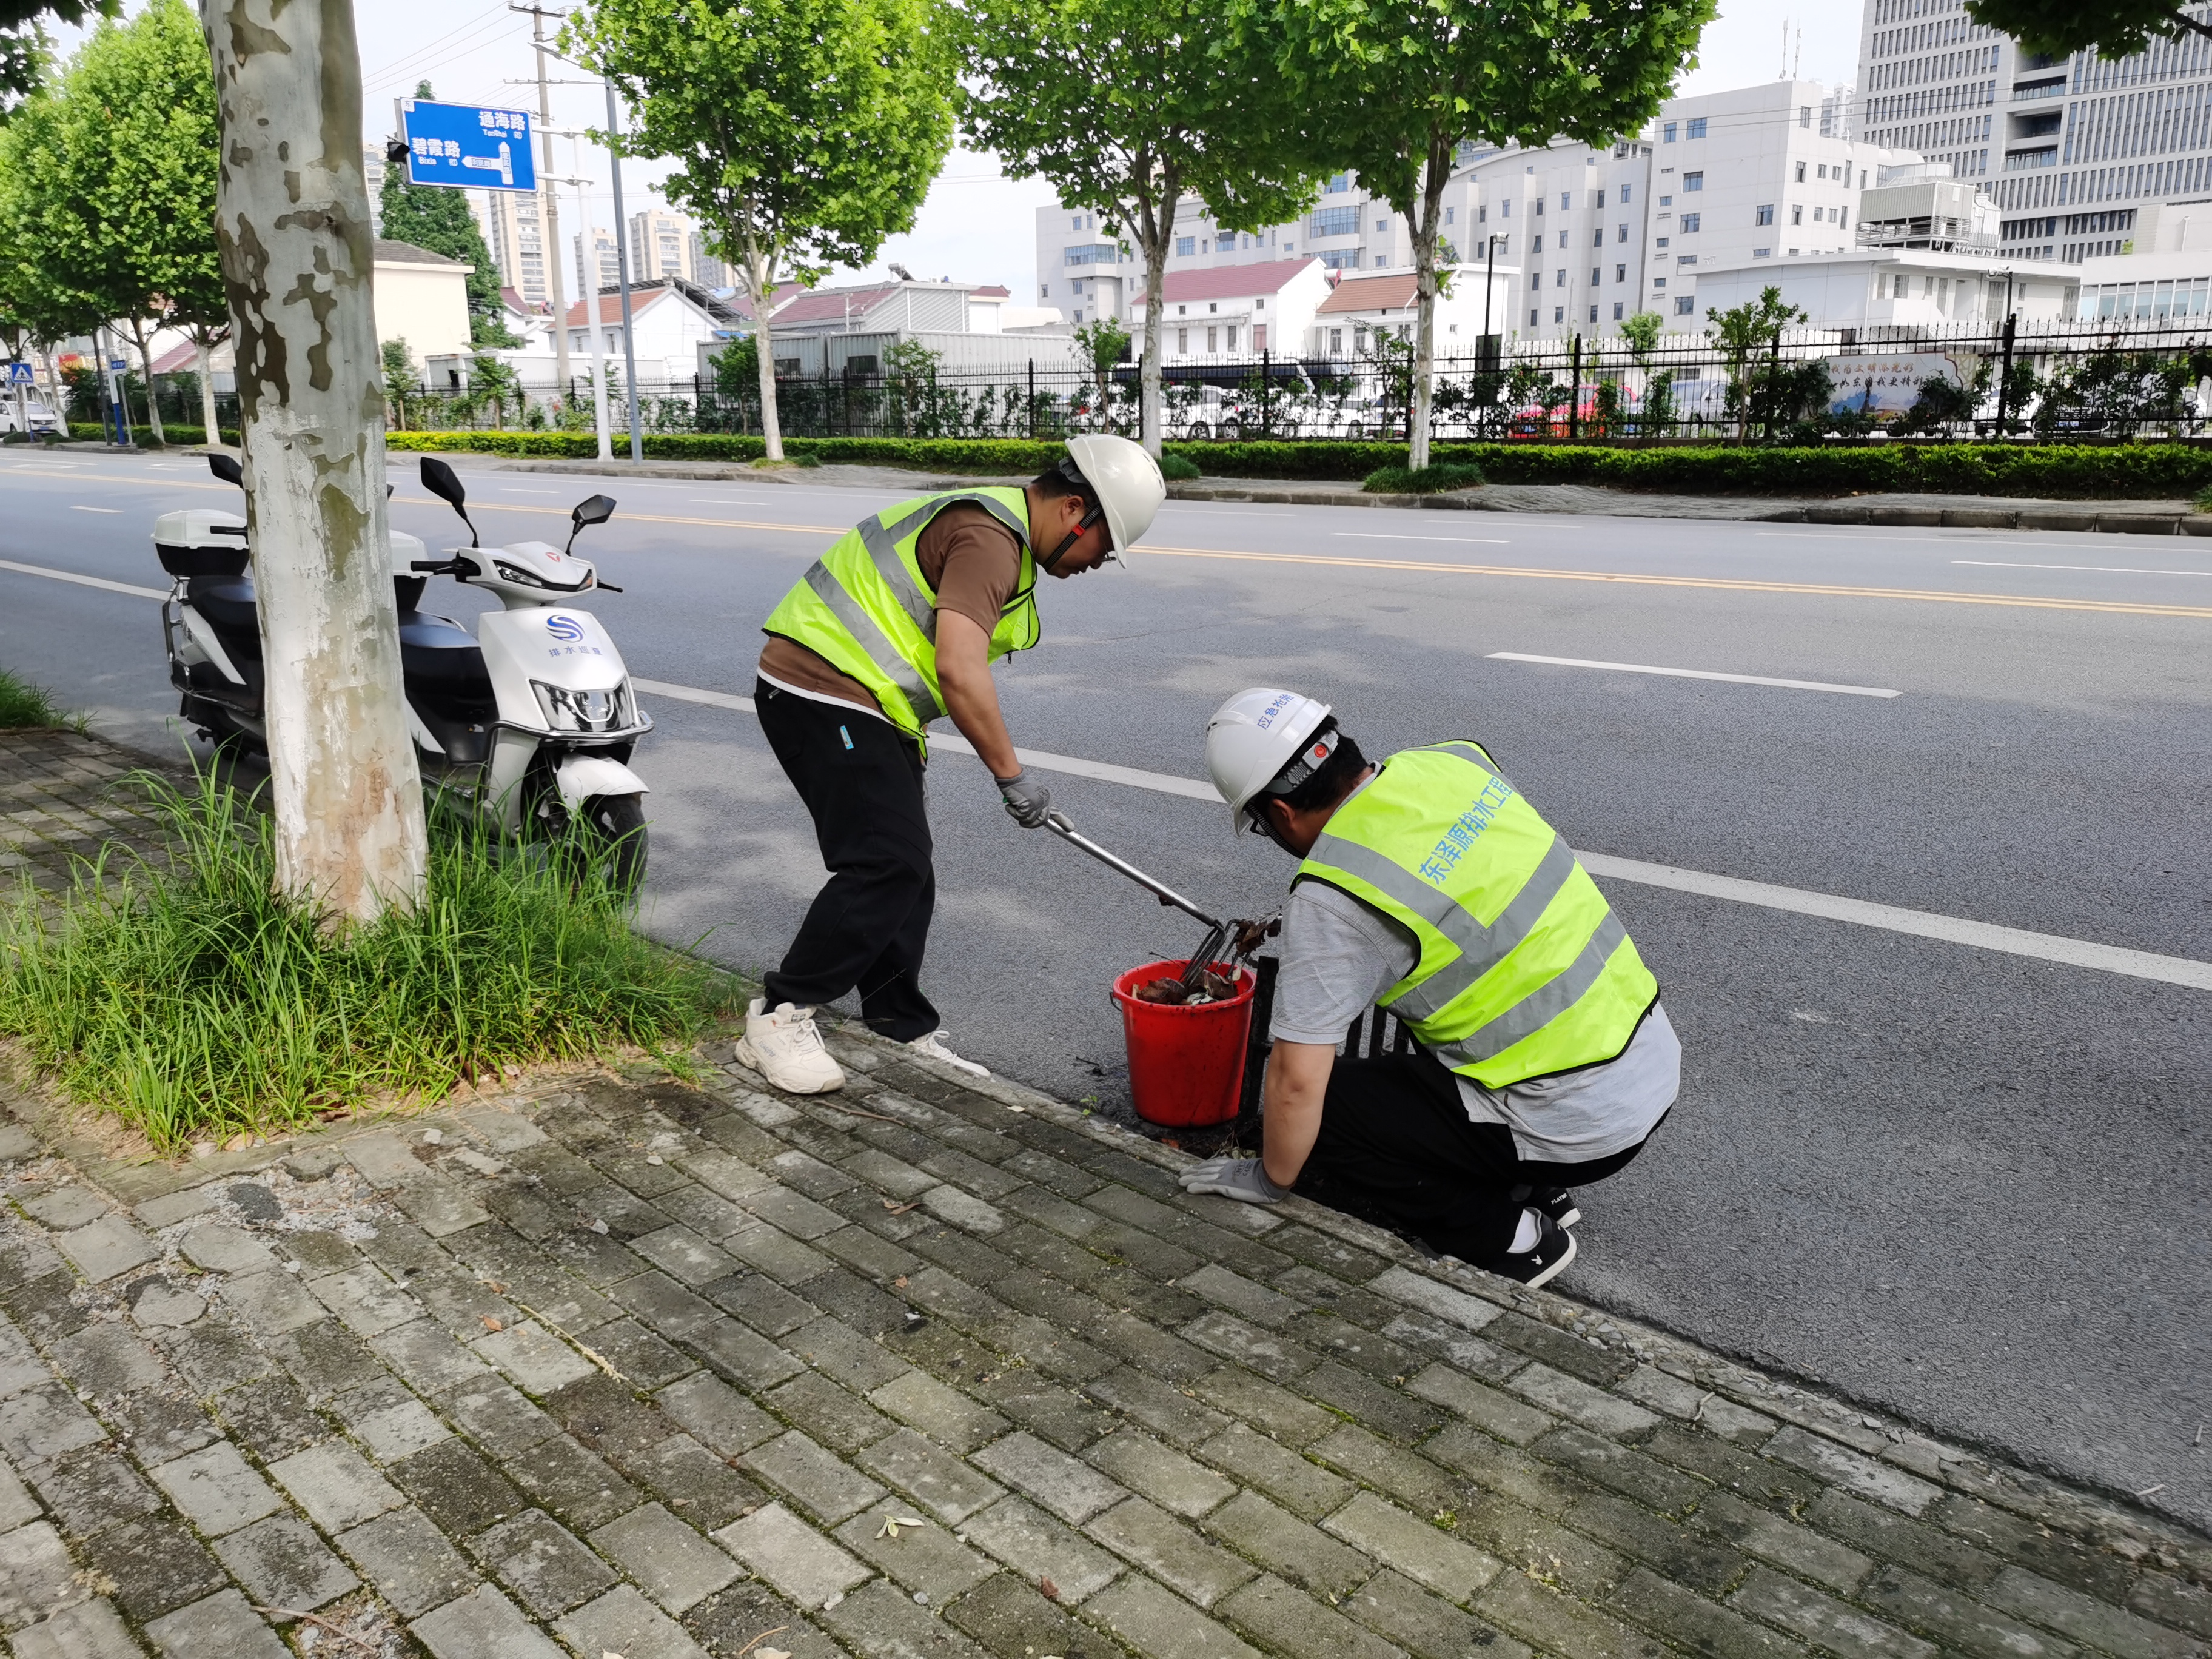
(548, 212)
(622, 269)
(587, 279)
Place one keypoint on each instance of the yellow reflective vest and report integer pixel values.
(1523, 970)
(865, 608)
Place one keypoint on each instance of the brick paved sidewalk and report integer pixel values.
(611, 1366)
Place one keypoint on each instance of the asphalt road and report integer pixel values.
(1967, 1186)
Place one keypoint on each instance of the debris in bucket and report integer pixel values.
(1211, 987)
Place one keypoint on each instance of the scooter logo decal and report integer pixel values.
(564, 628)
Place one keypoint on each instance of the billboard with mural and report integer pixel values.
(1890, 383)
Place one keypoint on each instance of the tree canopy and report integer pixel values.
(1395, 90)
(1126, 105)
(437, 217)
(2113, 28)
(804, 131)
(23, 38)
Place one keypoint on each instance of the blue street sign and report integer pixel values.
(465, 147)
(118, 365)
(21, 375)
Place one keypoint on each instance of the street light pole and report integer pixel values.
(622, 267)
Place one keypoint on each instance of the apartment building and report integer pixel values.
(516, 236)
(1594, 233)
(2078, 151)
(598, 260)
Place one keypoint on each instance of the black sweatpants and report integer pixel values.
(1397, 1148)
(861, 777)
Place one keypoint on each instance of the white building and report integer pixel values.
(598, 260)
(2170, 285)
(516, 235)
(1235, 312)
(1895, 288)
(669, 321)
(1360, 307)
(2078, 151)
(1594, 233)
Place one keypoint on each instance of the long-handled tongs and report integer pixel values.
(1218, 933)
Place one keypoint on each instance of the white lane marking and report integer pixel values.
(84, 582)
(2108, 569)
(1964, 538)
(78, 507)
(726, 501)
(1955, 930)
(1384, 536)
(1043, 760)
(1698, 674)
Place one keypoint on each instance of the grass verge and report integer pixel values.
(191, 1003)
(23, 704)
(1421, 481)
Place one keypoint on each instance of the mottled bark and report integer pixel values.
(203, 356)
(292, 224)
(760, 285)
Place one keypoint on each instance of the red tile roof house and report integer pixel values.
(849, 330)
(1383, 301)
(1231, 313)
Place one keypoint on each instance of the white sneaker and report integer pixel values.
(933, 1046)
(785, 1048)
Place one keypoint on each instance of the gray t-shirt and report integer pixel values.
(1339, 955)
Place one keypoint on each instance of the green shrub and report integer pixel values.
(1424, 480)
(23, 704)
(1177, 468)
(191, 1003)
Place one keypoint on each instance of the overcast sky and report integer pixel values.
(977, 226)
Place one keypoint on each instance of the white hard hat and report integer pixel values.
(1127, 481)
(1250, 738)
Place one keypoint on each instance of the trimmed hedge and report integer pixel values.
(2098, 472)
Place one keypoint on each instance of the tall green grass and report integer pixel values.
(190, 1001)
(23, 704)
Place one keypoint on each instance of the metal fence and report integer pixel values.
(2088, 380)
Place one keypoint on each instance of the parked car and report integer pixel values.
(40, 419)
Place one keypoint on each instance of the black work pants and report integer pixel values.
(1397, 1148)
(861, 777)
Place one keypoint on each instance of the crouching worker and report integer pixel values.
(1427, 884)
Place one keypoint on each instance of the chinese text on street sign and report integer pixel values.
(465, 147)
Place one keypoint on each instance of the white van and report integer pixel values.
(41, 418)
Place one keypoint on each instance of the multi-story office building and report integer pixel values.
(706, 270)
(660, 245)
(1596, 232)
(2079, 152)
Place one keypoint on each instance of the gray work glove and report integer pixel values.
(1028, 802)
(1244, 1179)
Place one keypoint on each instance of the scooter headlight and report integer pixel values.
(601, 709)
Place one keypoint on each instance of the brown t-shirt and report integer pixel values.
(971, 562)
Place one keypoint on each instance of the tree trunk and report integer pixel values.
(1153, 224)
(1427, 223)
(146, 365)
(760, 282)
(292, 229)
(203, 354)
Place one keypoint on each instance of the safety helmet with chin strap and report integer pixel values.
(1126, 482)
(1263, 737)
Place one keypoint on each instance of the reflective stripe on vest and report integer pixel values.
(849, 608)
(1438, 841)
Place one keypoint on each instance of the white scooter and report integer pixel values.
(525, 728)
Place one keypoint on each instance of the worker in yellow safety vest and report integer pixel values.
(1428, 885)
(898, 624)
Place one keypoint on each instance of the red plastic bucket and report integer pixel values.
(1186, 1065)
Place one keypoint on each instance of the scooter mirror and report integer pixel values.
(597, 510)
(226, 467)
(438, 478)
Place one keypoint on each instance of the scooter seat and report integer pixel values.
(435, 650)
(227, 603)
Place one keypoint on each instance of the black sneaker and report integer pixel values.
(1558, 1203)
(1553, 1249)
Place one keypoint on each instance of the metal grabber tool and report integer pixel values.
(1217, 931)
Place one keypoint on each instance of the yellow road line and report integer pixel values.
(1933, 596)
(1926, 596)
